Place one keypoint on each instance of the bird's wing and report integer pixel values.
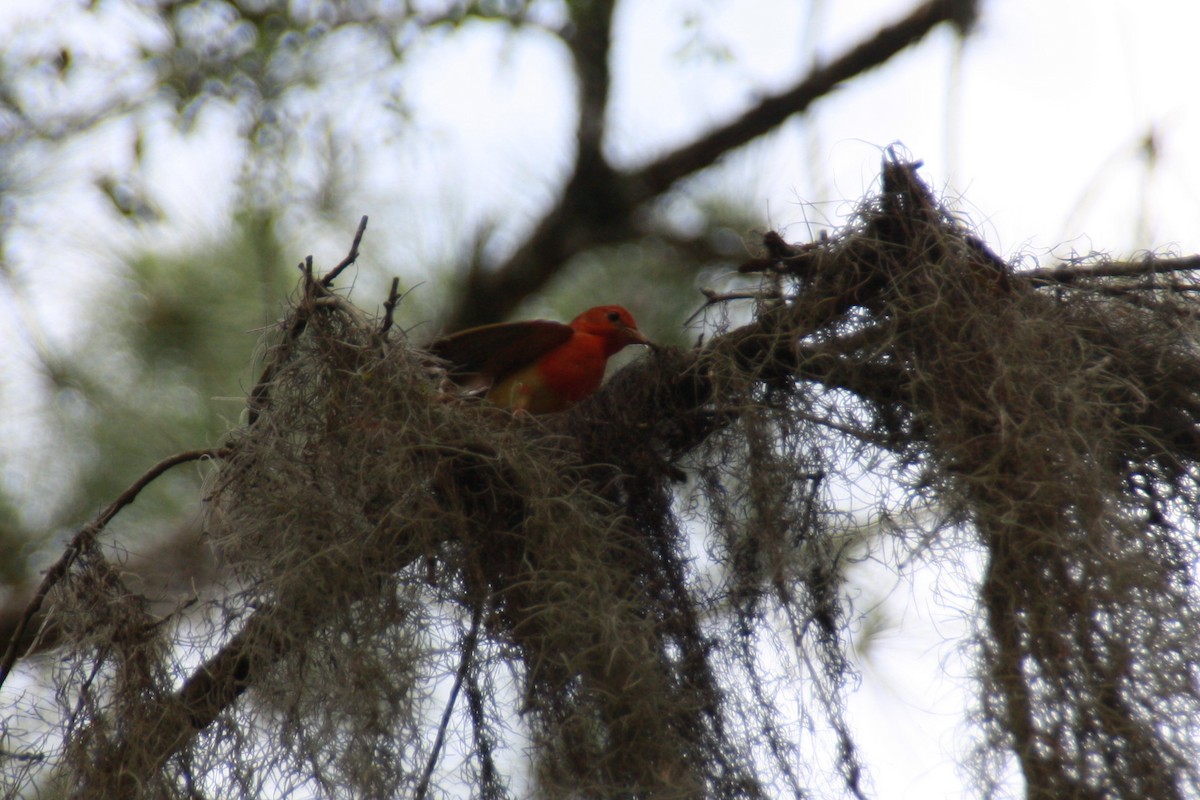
(493, 351)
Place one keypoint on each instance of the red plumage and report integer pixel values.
(539, 366)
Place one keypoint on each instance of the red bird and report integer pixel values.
(538, 366)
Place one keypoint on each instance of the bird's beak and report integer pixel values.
(633, 336)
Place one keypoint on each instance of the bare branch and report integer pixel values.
(712, 297)
(257, 399)
(598, 203)
(1068, 273)
(594, 208)
(176, 558)
(389, 306)
(464, 664)
(84, 539)
(774, 110)
(350, 258)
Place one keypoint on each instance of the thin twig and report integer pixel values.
(85, 537)
(715, 297)
(258, 396)
(350, 258)
(15, 756)
(464, 664)
(490, 783)
(389, 306)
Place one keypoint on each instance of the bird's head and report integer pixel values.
(613, 324)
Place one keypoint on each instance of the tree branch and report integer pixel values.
(176, 558)
(259, 396)
(464, 664)
(672, 390)
(599, 204)
(1069, 273)
(351, 256)
(84, 539)
(593, 209)
(209, 690)
(389, 307)
(774, 110)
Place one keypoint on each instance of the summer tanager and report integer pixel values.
(538, 366)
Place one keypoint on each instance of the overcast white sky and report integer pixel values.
(1045, 119)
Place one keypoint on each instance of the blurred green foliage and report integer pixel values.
(167, 371)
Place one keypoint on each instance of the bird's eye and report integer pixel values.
(613, 316)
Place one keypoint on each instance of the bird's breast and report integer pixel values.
(555, 382)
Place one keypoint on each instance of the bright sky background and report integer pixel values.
(1039, 130)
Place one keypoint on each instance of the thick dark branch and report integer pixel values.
(774, 110)
(207, 692)
(593, 209)
(590, 44)
(592, 212)
(598, 204)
